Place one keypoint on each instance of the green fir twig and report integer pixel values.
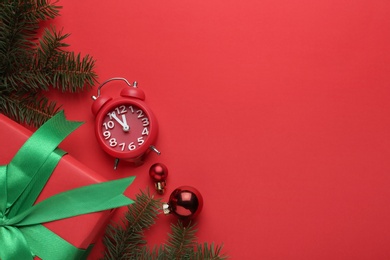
(30, 65)
(127, 242)
(123, 241)
(181, 242)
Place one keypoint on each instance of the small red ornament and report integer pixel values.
(159, 173)
(184, 202)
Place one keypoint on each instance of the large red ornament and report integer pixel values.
(158, 172)
(185, 202)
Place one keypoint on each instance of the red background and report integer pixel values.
(277, 111)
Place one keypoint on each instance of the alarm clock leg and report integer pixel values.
(116, 162)
(154, 149)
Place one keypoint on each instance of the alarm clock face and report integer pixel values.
(126, 129)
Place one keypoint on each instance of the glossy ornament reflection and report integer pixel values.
(185, 202)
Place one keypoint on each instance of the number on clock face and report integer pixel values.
(125, 128)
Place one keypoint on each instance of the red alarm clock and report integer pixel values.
(125, 126)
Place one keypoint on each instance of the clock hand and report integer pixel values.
(125, 122)
(124, 125)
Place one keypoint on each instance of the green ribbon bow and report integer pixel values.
(22, 235)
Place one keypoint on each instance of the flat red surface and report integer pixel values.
(277, 111)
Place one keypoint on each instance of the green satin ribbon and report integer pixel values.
(22, 235)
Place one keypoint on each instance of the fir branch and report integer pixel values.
(66, 70)
(41, 10)
(30, 80)
(32, 110)
(15, 37)
(182, 245)
(29, 65)
(124, 241)
(211, 252)
(181, 241)
(33, 11)
(144, 253)
(71, 72)
(50, 46)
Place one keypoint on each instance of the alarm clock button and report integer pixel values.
(133, 92)
(99, 103)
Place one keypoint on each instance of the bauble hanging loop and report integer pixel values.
(158, 172)
(185, 202)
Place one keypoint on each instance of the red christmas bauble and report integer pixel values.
(158, 172)
(185, 202)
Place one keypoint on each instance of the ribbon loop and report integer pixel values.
(15, 244)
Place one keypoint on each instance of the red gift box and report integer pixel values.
(80, 231)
